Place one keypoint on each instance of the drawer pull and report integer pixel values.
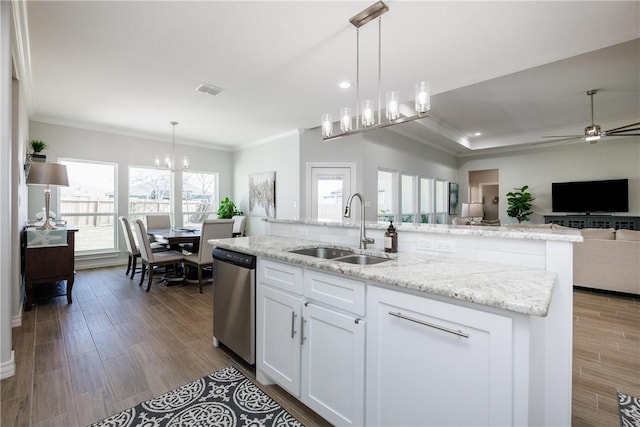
(293, 323)
(431, 325)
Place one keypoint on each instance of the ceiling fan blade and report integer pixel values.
(623, 127)
(563, 136)
(625, 134)
(620, 132)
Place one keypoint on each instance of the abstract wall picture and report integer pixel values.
(453, 198)
(262, 194)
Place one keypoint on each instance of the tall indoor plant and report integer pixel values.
(519, 202)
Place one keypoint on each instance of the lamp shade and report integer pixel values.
(48, 174)
(472, 210)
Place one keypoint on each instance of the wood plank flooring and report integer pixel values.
(606, 355)
(114, 347)
(117, 345)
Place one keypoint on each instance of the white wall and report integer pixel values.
(74, 143)
(7, 252)
(610, 159)
(373, 150)
(280, 154)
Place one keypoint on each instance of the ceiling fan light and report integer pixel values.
(592, 133)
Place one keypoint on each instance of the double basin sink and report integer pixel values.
(342, 255)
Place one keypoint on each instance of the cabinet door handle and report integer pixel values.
(431, 325)
(293, 324)
(302, 337)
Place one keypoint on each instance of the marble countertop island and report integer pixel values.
(514, 288)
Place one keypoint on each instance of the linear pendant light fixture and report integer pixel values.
(169, 161)
(365, 118)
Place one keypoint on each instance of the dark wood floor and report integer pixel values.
(114, 347)
(117, 345)
(606, 355)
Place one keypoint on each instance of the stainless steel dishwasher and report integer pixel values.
(234, 302)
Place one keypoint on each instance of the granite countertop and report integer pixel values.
(507, 231)
(518, 289)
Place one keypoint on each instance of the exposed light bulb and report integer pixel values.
(423, 98)
(367, 113)
(327, 125)
(393, 106)
(345, 119)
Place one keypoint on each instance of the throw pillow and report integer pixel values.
(628, 235)
(599, 233)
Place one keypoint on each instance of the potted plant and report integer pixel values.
(519, 202)
(228, 209)
(37, 146)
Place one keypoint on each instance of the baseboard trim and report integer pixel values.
(8, 368)
(16, 321)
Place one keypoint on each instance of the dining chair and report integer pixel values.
(211, 229)
(239, 223)
(133, 251)
(158, 221)
(152, 259)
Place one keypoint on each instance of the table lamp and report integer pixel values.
(47, 174)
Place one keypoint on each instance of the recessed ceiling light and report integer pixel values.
(344, 85)
(477, 134)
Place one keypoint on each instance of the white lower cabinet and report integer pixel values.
(313, 350)
(431, 363)
(333, 365)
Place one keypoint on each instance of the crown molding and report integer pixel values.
(292, 132)
(125, 132)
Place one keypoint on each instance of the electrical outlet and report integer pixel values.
(448, 246)
(425, 244)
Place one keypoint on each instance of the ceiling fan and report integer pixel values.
(593, 133)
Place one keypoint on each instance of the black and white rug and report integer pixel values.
(224, 398)
(629, 410)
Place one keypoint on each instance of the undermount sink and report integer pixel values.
(362, 259)
(323, 252)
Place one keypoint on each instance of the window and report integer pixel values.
(426, 200)
(88, 203)
(149, 192)
(442, 201)
(386, 193)
(199, 196)
(330, 185)
(408, 198)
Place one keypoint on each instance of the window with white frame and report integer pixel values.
(89, 203)
(386, 195)
(408, 198)
(427, 201)
(441, 201)
(329, 185)
(199, 196)
(149, 192)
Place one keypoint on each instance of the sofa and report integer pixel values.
(608, 259)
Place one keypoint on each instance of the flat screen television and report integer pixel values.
(590, 196)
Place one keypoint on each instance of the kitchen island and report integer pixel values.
(350, 341)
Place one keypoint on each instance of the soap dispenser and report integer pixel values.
(391, 239)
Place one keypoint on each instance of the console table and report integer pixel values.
(595, 221)
(48, 264)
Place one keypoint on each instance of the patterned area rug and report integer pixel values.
(224, 398)
(629, 410)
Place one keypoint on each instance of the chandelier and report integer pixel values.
(169, 161)
(365, 117)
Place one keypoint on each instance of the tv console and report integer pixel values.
(595, 221)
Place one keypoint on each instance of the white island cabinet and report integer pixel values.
(431, 363)
(307, 346)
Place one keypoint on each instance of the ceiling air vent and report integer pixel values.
(210, 89)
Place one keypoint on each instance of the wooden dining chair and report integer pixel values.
(211, 229)
(133, 251)
(152, 259)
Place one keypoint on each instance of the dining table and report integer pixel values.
(176, 236)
